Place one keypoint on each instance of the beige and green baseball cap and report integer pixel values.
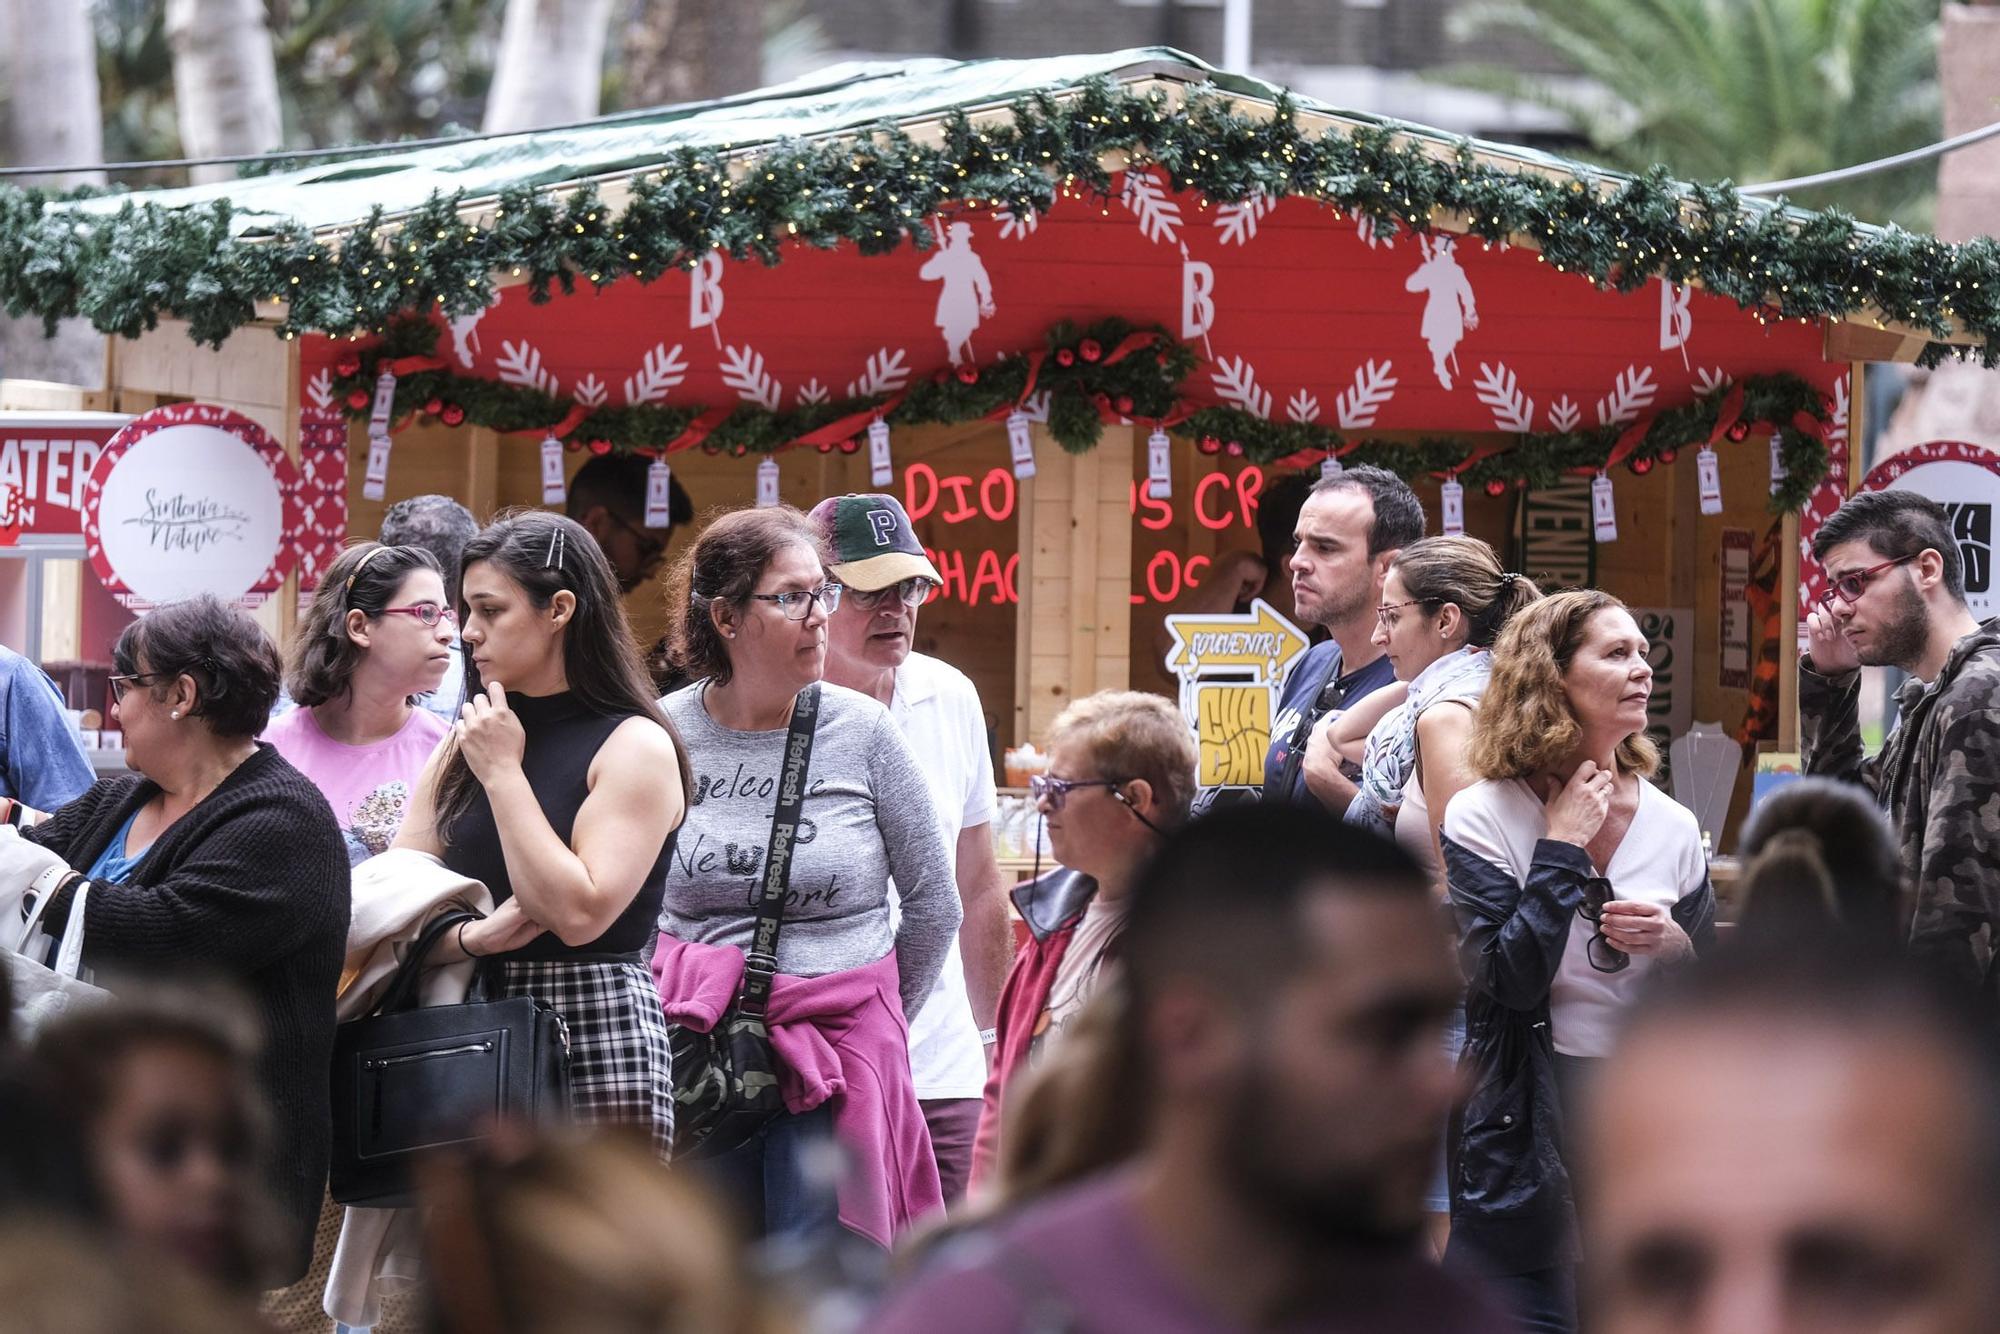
(874, 544)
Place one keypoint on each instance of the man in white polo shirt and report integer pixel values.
(870, 641)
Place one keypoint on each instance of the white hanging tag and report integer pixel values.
(1329, 467)
(1777, 461)
(659, 494)
(1708, 470)
(1159, 466)
(767, 483)
(881, 472)
(1603, 510)
(554, 492)
(1451, 507)
(374, 484)
(1021, 443)
(385, 403)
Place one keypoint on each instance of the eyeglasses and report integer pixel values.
(1382, 612)
(430, 613)
(1850, 587)
(1603, 955)
(911, 592)
(650, 544)
(1055, 791)
(124, 681)
(797, 606)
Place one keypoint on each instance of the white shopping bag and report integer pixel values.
(44, 989)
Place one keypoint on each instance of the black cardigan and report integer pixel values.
(252, 885)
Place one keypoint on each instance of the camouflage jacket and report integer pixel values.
(1938, 777)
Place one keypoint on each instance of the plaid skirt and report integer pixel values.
(620, 1069)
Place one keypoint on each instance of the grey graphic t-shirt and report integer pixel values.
(867, 818)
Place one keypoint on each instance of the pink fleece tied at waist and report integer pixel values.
(839, 1039)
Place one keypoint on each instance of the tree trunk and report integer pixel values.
(225, 80)
(53, 120)
(550, 69)
(693, 50)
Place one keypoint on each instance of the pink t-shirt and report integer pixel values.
(367, 786)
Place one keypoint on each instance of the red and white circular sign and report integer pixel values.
(191, 499)
(1965, 479)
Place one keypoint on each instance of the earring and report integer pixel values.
(175, 714)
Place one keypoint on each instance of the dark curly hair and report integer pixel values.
(232, 662)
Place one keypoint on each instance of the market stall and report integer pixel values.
(1081, 315)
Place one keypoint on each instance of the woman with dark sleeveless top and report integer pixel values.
(561, 791)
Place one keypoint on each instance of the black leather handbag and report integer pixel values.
(726, 1080)
(408, 1079)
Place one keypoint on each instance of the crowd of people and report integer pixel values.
(1438, 1031)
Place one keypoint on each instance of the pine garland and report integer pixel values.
(1086, 390)
(123, 271)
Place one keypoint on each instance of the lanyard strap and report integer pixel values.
(1314, 709)
(760, 961)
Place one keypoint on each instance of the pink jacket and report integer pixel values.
(841, 1038)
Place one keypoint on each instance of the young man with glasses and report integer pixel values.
(1896, 597)
(871, 638)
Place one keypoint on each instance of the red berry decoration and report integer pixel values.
(1089, 350)
(740, 451)
(1669, 454)
(1125, 405)
(358, 399)
(434, 406)
(710, 447)
(1641, 466)
(1496, 488)
(850, 446)
(1065, 357)
(937, 377)
(968, 374)
(347, 366)
(826, 446)
(600, 447)
(1208, 444)
(1234, 449)
(1103, 402)
(1738, 431)
(452, 414)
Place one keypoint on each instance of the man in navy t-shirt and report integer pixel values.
(1350, 529)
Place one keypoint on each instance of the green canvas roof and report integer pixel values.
(843, 99)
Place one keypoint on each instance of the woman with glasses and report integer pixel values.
(1121, 774)
(560, 791)
(379, 632)
(1573, 878)
(216, 857)
(753, 596)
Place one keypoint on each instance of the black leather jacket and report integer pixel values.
(1510, 1193)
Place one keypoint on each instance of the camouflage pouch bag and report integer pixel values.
(726, 1080)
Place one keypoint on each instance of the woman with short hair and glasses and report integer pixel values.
(378, 634)
(216, 856)
(752, 598)
(1573, 878)
(1121, 775)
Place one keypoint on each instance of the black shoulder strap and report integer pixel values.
(760, 961)
(1309, 713)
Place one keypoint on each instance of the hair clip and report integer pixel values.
(558, 547)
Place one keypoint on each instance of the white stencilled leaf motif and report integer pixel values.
(1711, 379)
(660, 373)
(1564, 414)
(1236, 383)
(812, 391)
(1364, 226)
(1374, 385)
(1500, 390)
(521, 363)
(591, 391)
(1238, 222)
(1302, 407)
(1631, 394)
(1159, 216)
(1017, 226)
(743, 370)
(1035, 407)
(885, 374)
(1836, 431)
(320, 389)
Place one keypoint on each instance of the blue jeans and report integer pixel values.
(784, 1179)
